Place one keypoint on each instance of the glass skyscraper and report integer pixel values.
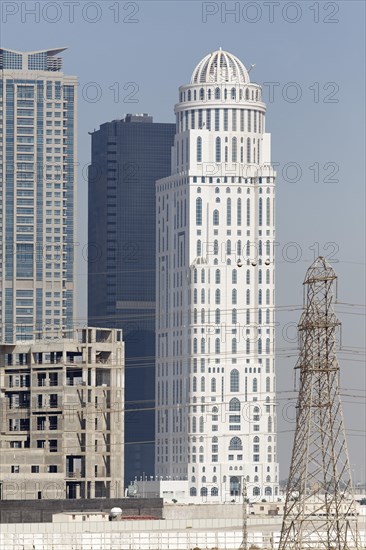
(128, 156)
(37, 178)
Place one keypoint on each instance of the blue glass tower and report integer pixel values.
(128, 156)
(37, 180)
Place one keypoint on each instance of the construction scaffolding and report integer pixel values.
(320, 511)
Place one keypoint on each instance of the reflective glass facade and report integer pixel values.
(128, 156)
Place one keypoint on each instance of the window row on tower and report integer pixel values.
(264, 212)
(221, 93)
(202, 349)
(248, 154)
(233, 120)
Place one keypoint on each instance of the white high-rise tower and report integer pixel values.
(215, 378)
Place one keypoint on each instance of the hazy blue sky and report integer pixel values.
(156, 45)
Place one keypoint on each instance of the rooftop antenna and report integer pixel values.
(251, 67)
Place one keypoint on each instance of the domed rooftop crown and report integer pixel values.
(220, 66)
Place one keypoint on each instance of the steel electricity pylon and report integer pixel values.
(320, 512)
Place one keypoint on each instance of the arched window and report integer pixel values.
(202, 316)
(189, 95)
(194, 94)
(193, 478)
(248, 297)
(218, 149)
(248, 213)
(260, 211)
(194, 384)
(217, 316)
(202, 93)
(203, 492)
(228, 211)
(202, 275)
(195, 296)
(268, 317)
(260, 248)
(268, 479)
(195, 346)
(199, 149)
(214, 492)
(234, 380)
(268, 277)
(268, 384)
(235, 444)
(217, 93)
(203, 385)
(268, 209)
(203, 345)
(217, 296)
(234, 346)
(217, 345)
(202, 422)
(248, 150)
(193, 492)
(234, 316)
(194, 424)
(260, 276)
(259, 317)
(198, 211)
(255, 385)
(239, 248)
(209, 94)
(199, 248)
(234, 277)
(239, 211)
(213, 385)
(270, 424)
(248, 317)
(216, 247)
(248, 345)
(234, 405)
(246, 93)
(248, 277)
(234, 154)
(234, 297)
(233, 93)
(267, 297)
(268, 248)
(202, 295)
(268, 491)
(217, 276)
(195, 316)
(216, 217)
(260, 296)
(195, 275)
(228, 247)
(256, 491)
(217, 190)
(259, 345)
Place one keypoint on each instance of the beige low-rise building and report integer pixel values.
(61, 417)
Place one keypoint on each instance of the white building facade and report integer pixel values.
(215, 375)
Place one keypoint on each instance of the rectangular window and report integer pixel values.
(234, 120)
(208, 119)
(15, 469)
(226, 119)
(35, 469)
(217, 120)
